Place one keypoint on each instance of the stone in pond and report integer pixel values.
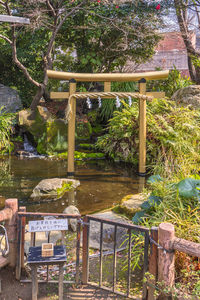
(108, 231)
(53, 188)
(129, 205)
(72, 210)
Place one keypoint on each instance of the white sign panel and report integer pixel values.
(48, 225)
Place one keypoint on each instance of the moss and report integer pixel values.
(65, 188)
(87, 146)
(82, 155)
(83, 130)
(54, 140)
(122, 210)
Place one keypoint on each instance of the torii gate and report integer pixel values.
(107, 78)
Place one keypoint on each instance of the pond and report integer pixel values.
(103, 183)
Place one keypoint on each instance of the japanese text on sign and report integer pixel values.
(48, 225)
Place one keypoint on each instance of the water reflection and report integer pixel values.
(102, 183)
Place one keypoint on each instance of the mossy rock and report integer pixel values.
(83, 130)
(54, 140)
(49, 134)
(129, 205)
(35, 121)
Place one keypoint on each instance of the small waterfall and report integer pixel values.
(29, 150)
(27, 146)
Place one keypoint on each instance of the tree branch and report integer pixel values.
(6, 39)
(51, 8)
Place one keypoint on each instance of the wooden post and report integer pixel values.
(60, 285)
(107, 86)
(166, 270)
(11, 227)
(71, 130)
(142, 129)
(153, 263)
(22, 209)
(85, 252)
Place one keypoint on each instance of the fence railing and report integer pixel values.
(130, 229)
(164, 243)
(159, 261)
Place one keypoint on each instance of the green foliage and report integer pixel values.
(82, 155)
(105, 36)
(65, 188)
(109, 105)
(7, 121)
(189, 188)
(174, 82)
(173, 135)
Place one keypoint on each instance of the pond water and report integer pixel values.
(102, 183)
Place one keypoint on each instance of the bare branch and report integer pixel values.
(51, 8)
(5, 38)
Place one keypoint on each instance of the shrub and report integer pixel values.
(173, 135)
(7, 121)
(174, 82)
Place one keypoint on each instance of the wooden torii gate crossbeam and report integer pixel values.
(107, 78)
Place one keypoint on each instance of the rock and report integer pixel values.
(129, 205)
(53, 188)
(54, 139)
(108, 231)
(189, 95)
(10, 99)
(49, 134)
(72, 210)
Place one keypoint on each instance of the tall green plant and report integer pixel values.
(7, 121)
(109, 105)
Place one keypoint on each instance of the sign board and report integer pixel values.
(13, 19)
(48, 225)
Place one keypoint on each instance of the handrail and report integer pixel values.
(108, 77)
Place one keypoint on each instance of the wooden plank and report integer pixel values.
(142, 129)
(156, 94)
(107, 86)
(34, 282)
(187, 247)
(121, 77)
(59, 95)
(61, 277)
(71, 130)
(13, 19)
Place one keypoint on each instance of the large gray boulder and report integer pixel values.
(189, 95)
(53, 188)
(9, 98)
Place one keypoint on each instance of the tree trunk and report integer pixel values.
(37, 97)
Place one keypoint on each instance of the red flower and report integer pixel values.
(158, 7)
(117, 6)
(99, 1)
